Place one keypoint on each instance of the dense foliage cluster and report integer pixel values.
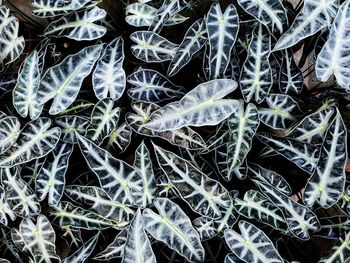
(174, 131)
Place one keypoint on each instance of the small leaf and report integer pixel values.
(83, 252)
(9, 132)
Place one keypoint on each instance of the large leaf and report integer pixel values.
(173, 227)
(304, 155)
(19, 195)
(78, 25)
(39, 239)
(151, 47)
(313, 127)
(334, 56)
(138, 248)
(104, 119)
(242, 125)
(314, 16)
(9, 131)
(194, 39)
(282, 111)
(51, 177)
(168, 9)
(204, 105)
(151, 86)
(62, 82)
(48, 8)
(35, 140)
(222, 32)
(299, 218)
(117, 178)
(108, 77)
(25, 91)
(327, 184)
(83, 252)
(184, 137)
(256, 206)
(97, 200)
(252, 244)
(256, 75)
(66, 214)
(204, 195)
(271, 13)
(143, 164)
(291, 79)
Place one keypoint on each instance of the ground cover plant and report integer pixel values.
(174, 131)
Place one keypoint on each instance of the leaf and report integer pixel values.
(5, 209)
(304, 155)
(184, 137)
(62, 82)
(256, 206)
(256, 74)
(151, 86)
(168, 9)
(222, 33)
(9, 131)
(200, 107)
(252, 245)
(313, 127)
(333, 58)
(120, 138)
(35, 141)
(205, 228)
(7, 82)
(141, 14)
(194, 39)
(108, 78)
(151, 47)
(25, 91)
(83, 252)
(340, 252)
(313, 17)
(39, 239)
(78, 26)
(203, 194)
(334, 227)
(48, 8)
(70, 125)
(291, 79)
(97, 200)
(143, 164)
(243, 125)
(282, 111)
(327, 183)
(66, 214)
(76, 107)
(118, 179)
(299, 218)
(103, 120)
(268, 12)
(11, 45)
(19, 195)
(115, 249)
(256, 172)
(51, 177)
(172, 226)
(138, 248)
